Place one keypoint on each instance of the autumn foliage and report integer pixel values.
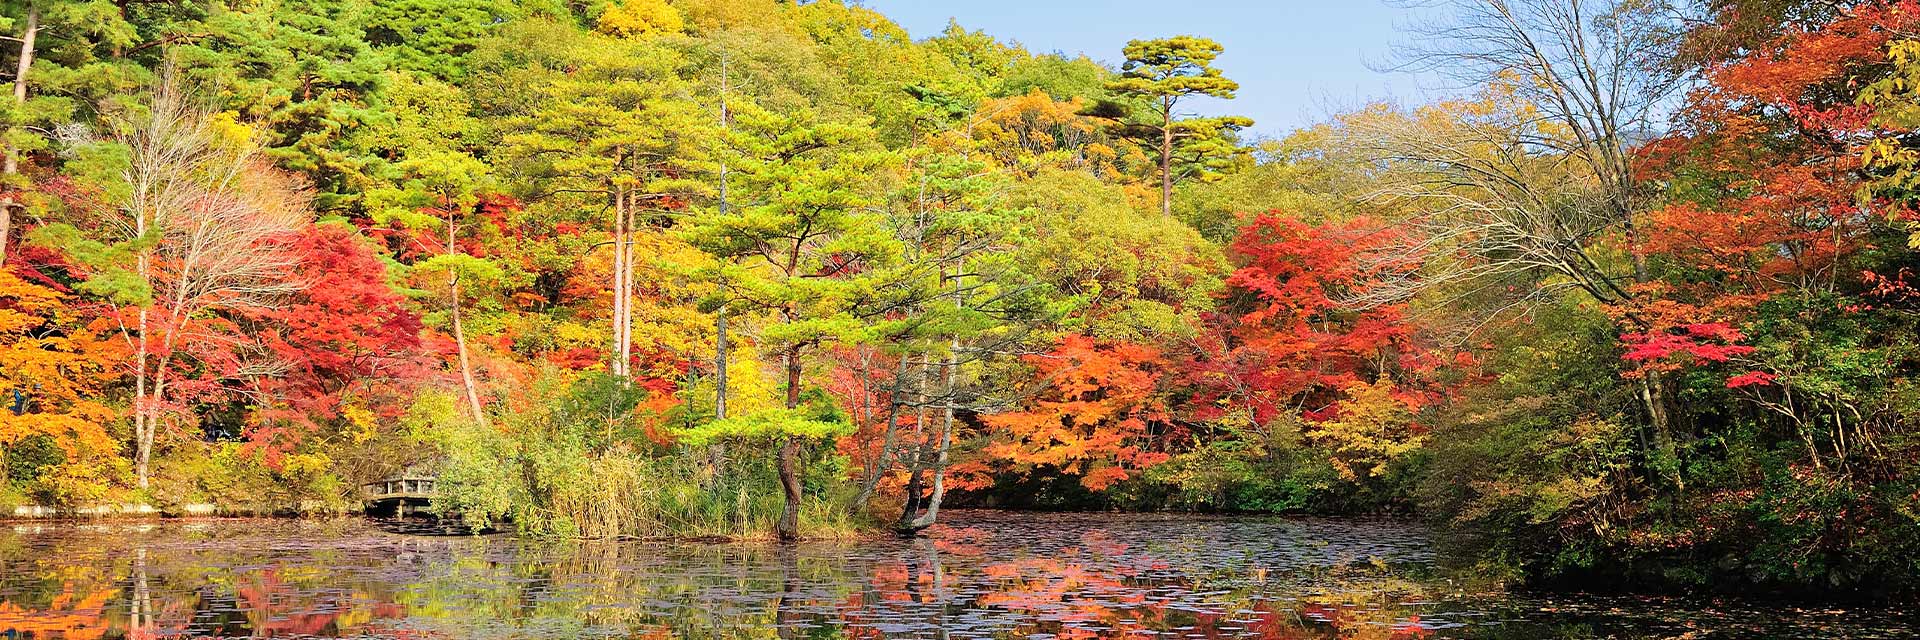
(1097, 415)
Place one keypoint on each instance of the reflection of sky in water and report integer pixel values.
(983, 575)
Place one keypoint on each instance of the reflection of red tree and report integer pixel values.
(1411, 629)
(1061, 591)
(961, 541)
(1099, 590)
(276, 609)
(69, 615)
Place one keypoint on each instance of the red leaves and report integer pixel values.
(1793, 71)
(347, 333)
(1712, 342)
(1770, 159)
(1896, 288)
(1285, 342)
(1295, 269)
(1751, 379)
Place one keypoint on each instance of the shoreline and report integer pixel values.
(34, 512)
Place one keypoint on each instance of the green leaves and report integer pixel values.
(800, 240)
(1158, 76)
(806, 421)
(433, 180)
(1168, 67)
(111, 266)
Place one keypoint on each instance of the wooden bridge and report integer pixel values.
(403, 495)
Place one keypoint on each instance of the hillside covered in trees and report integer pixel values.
(1637, 302)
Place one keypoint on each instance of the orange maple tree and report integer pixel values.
(1097, 416)
(53, 371)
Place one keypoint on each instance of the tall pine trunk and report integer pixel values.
(467, 381)
(917, 469)
(948, 370)
(1166, 159)
(717, 451)
(940, 456)
(789, 526)
(11, 166)
(720, 364)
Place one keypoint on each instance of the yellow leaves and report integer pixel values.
(74, 434)
(91, 454)
(228, 132)
(749, 388)
(15, 322)
(1032, 132)
(1895, 100)
(572, 335)
(1374, 428)
(53, 372)
(26, 296)
(638, 18)
(306, 464)
(54, 367)
(365, 424)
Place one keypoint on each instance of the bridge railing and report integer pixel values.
(413, 486)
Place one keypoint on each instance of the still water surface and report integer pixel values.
(982, 575)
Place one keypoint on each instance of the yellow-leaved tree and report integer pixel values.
(52, 370)
(1375, 428)
(634, 18)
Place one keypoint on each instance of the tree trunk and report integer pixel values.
(789, 526)
(466, 362)
(1653, 393)
(918, 469)
(717, 451)
(142, 437)
(11, 164)
(947, 394)
(626, 286)
(459, 332)
(910, 511)
(621, 295)
(142, 427)
(156, 394)
(1166, 160)
(946, 444)
(720, 364)
(881, 466)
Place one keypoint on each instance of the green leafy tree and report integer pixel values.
(1158, 77)
(618, 132)
(974, 305)
(442, 195)
(802, 244)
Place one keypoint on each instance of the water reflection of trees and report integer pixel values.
(109, 582)
(960, 582)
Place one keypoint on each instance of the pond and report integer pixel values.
(980, 575)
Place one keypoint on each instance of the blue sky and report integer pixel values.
(1296, 60)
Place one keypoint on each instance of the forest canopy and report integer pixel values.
(1637, 302)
